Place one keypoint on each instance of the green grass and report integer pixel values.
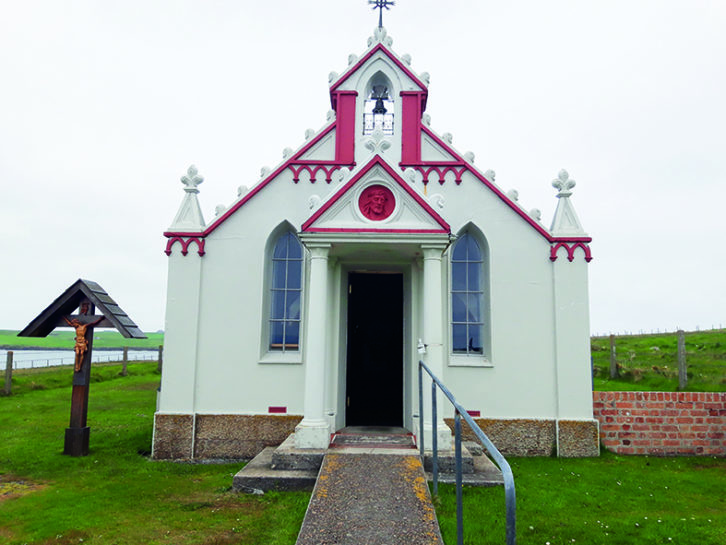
(63, 338)
(116, 495)
(608, 500)
(649, 362)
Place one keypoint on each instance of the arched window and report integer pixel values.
(467, 297)
(286, 292)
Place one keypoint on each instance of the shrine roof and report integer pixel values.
(70, 299)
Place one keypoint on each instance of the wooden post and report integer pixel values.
(9, 374)
(161, 357)
(125, 362)
(682, 367)
(613, 360)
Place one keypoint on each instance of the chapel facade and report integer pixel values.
(305, 306)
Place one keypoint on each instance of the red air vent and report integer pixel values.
(474, 413)
(277, 410)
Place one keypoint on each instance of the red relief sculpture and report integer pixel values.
(376, 202)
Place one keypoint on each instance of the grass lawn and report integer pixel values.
(116, 495)
(63, 338)
(650, 362)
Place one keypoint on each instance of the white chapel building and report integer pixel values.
(305, 305)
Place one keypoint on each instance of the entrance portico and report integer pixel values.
(415, 262)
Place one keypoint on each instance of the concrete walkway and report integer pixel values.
(370, 496)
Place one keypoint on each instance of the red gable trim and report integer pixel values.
(365, 58)
(259, 187)
(541, 230)
(376, 161)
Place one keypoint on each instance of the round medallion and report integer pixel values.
(376, 202)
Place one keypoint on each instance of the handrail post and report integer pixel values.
(434, 440)
(420, 411)
(459, 493)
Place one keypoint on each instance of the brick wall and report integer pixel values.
(662, 423)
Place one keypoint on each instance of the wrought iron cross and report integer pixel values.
(379, 5)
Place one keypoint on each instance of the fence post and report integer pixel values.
(125, 362)
(161, 357)
(9, 374)
(613, 359)
(682, 367)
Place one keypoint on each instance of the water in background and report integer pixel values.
(26, 359)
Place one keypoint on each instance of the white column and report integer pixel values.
(434, 320)
(313, 431)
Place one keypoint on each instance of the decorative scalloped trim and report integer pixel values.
(185, 242)
(570, 246)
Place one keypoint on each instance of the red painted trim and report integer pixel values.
(374, 230)
(411, 127)
(345, 132)
(376, 161)
(364, 59)
(312, 170)
(571, 246)
(474, 413)
(185, 243)
(277, 410)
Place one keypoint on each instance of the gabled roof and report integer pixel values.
(70, 299)
(433, 223)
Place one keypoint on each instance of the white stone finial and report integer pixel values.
(330, 115)
(426, 119)
(469, 157)
(380, 35)
(242, 190)
(410, 175)
(376, 143)
(309, 133)
(513, 194)
(406, 58)
(264, 171)
(563, 183)
(438, 200)
(191, 180)
(313, 202)
(332, 77)
(447, 137)
(287, 152)
(352, 59)
(565, 222)
(189, 216)
(490, 175)
(425, 77)
(536, 215)
(219, 210)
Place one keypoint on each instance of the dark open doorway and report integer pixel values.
(374, 379)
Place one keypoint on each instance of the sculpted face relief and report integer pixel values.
(377, 202)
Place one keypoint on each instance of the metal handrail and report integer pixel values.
(509, 493)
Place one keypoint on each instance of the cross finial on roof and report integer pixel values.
(379, 5)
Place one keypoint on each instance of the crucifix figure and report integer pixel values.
(379, 5)
(81, 342)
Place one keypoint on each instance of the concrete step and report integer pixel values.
(370, 499)
(258, 476)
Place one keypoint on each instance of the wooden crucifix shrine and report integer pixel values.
(87, 297)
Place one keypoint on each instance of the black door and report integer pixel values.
(374, 389)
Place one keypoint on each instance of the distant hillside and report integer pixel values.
(64, 339)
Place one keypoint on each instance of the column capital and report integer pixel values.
(318, 250)
(433, 251)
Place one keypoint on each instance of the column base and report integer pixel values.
(444, 437)
(312, 435)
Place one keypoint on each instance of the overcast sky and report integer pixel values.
(104, 105)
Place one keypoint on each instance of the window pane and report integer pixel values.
(293, 305)
(294, 272)
(278, 304)
(458, 307)
(458, 276)
(473, 308)
(473, 276)
(460, 249)
(294, 250)
(278, 274)
(276, 334)
(472, 249)
(475, 344)
(281, 247)
(459, 338)
(292, 334)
